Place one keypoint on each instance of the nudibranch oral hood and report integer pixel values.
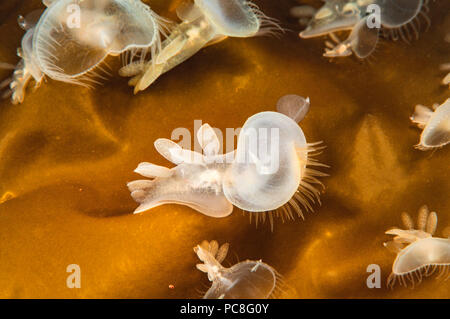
(419, 254)
(251, 185)
(397, 13)
(72, 38)
(245, 280)
(233, 18)
(268, 173)
(435, 124)
(398, 19)
(204, 22)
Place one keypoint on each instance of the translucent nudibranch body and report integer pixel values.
(72, 38)
(435, 124)
(267, 173)
(204, 22)
(396, 19)
(245, 280)
(419, 254)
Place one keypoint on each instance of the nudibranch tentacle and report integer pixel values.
(435, 124)
(268, 174)
(204, 22)
(245, 280)
(362, 41)
(419, 254)
(72, 50)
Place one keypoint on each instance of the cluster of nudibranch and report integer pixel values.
(268, 175)
(419, 254)
(271, 173)
(398, 19)
(71, 39)
(367, 20)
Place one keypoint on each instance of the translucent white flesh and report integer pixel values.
(262, 180)
(188, 11)
(205, 22)
(185, 40)
(245, 280)
(436, 132)
(333, 16)
(65, 50)
(25, 70)
(362, 41)
(196, 181)
(234, 18)
(30, 62)
(423, 252)
(396, 13)
(294, 106)
(193, 185)
(212, 183)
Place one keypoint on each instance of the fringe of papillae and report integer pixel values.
(416, 276)
(306, 195)
(411, 30)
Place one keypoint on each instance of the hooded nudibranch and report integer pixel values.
(245, 280)
(435, 124)
(68, 49)
(204, 22)
(419, 254)
(398, 19)
(253, 180)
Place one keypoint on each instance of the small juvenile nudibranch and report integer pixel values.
(72, 38)
(399, 19)
(435, 124)
(268, 174)
(245, 280)
(419, 254)
(204, 22)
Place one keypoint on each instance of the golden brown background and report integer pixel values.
(67, 153)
